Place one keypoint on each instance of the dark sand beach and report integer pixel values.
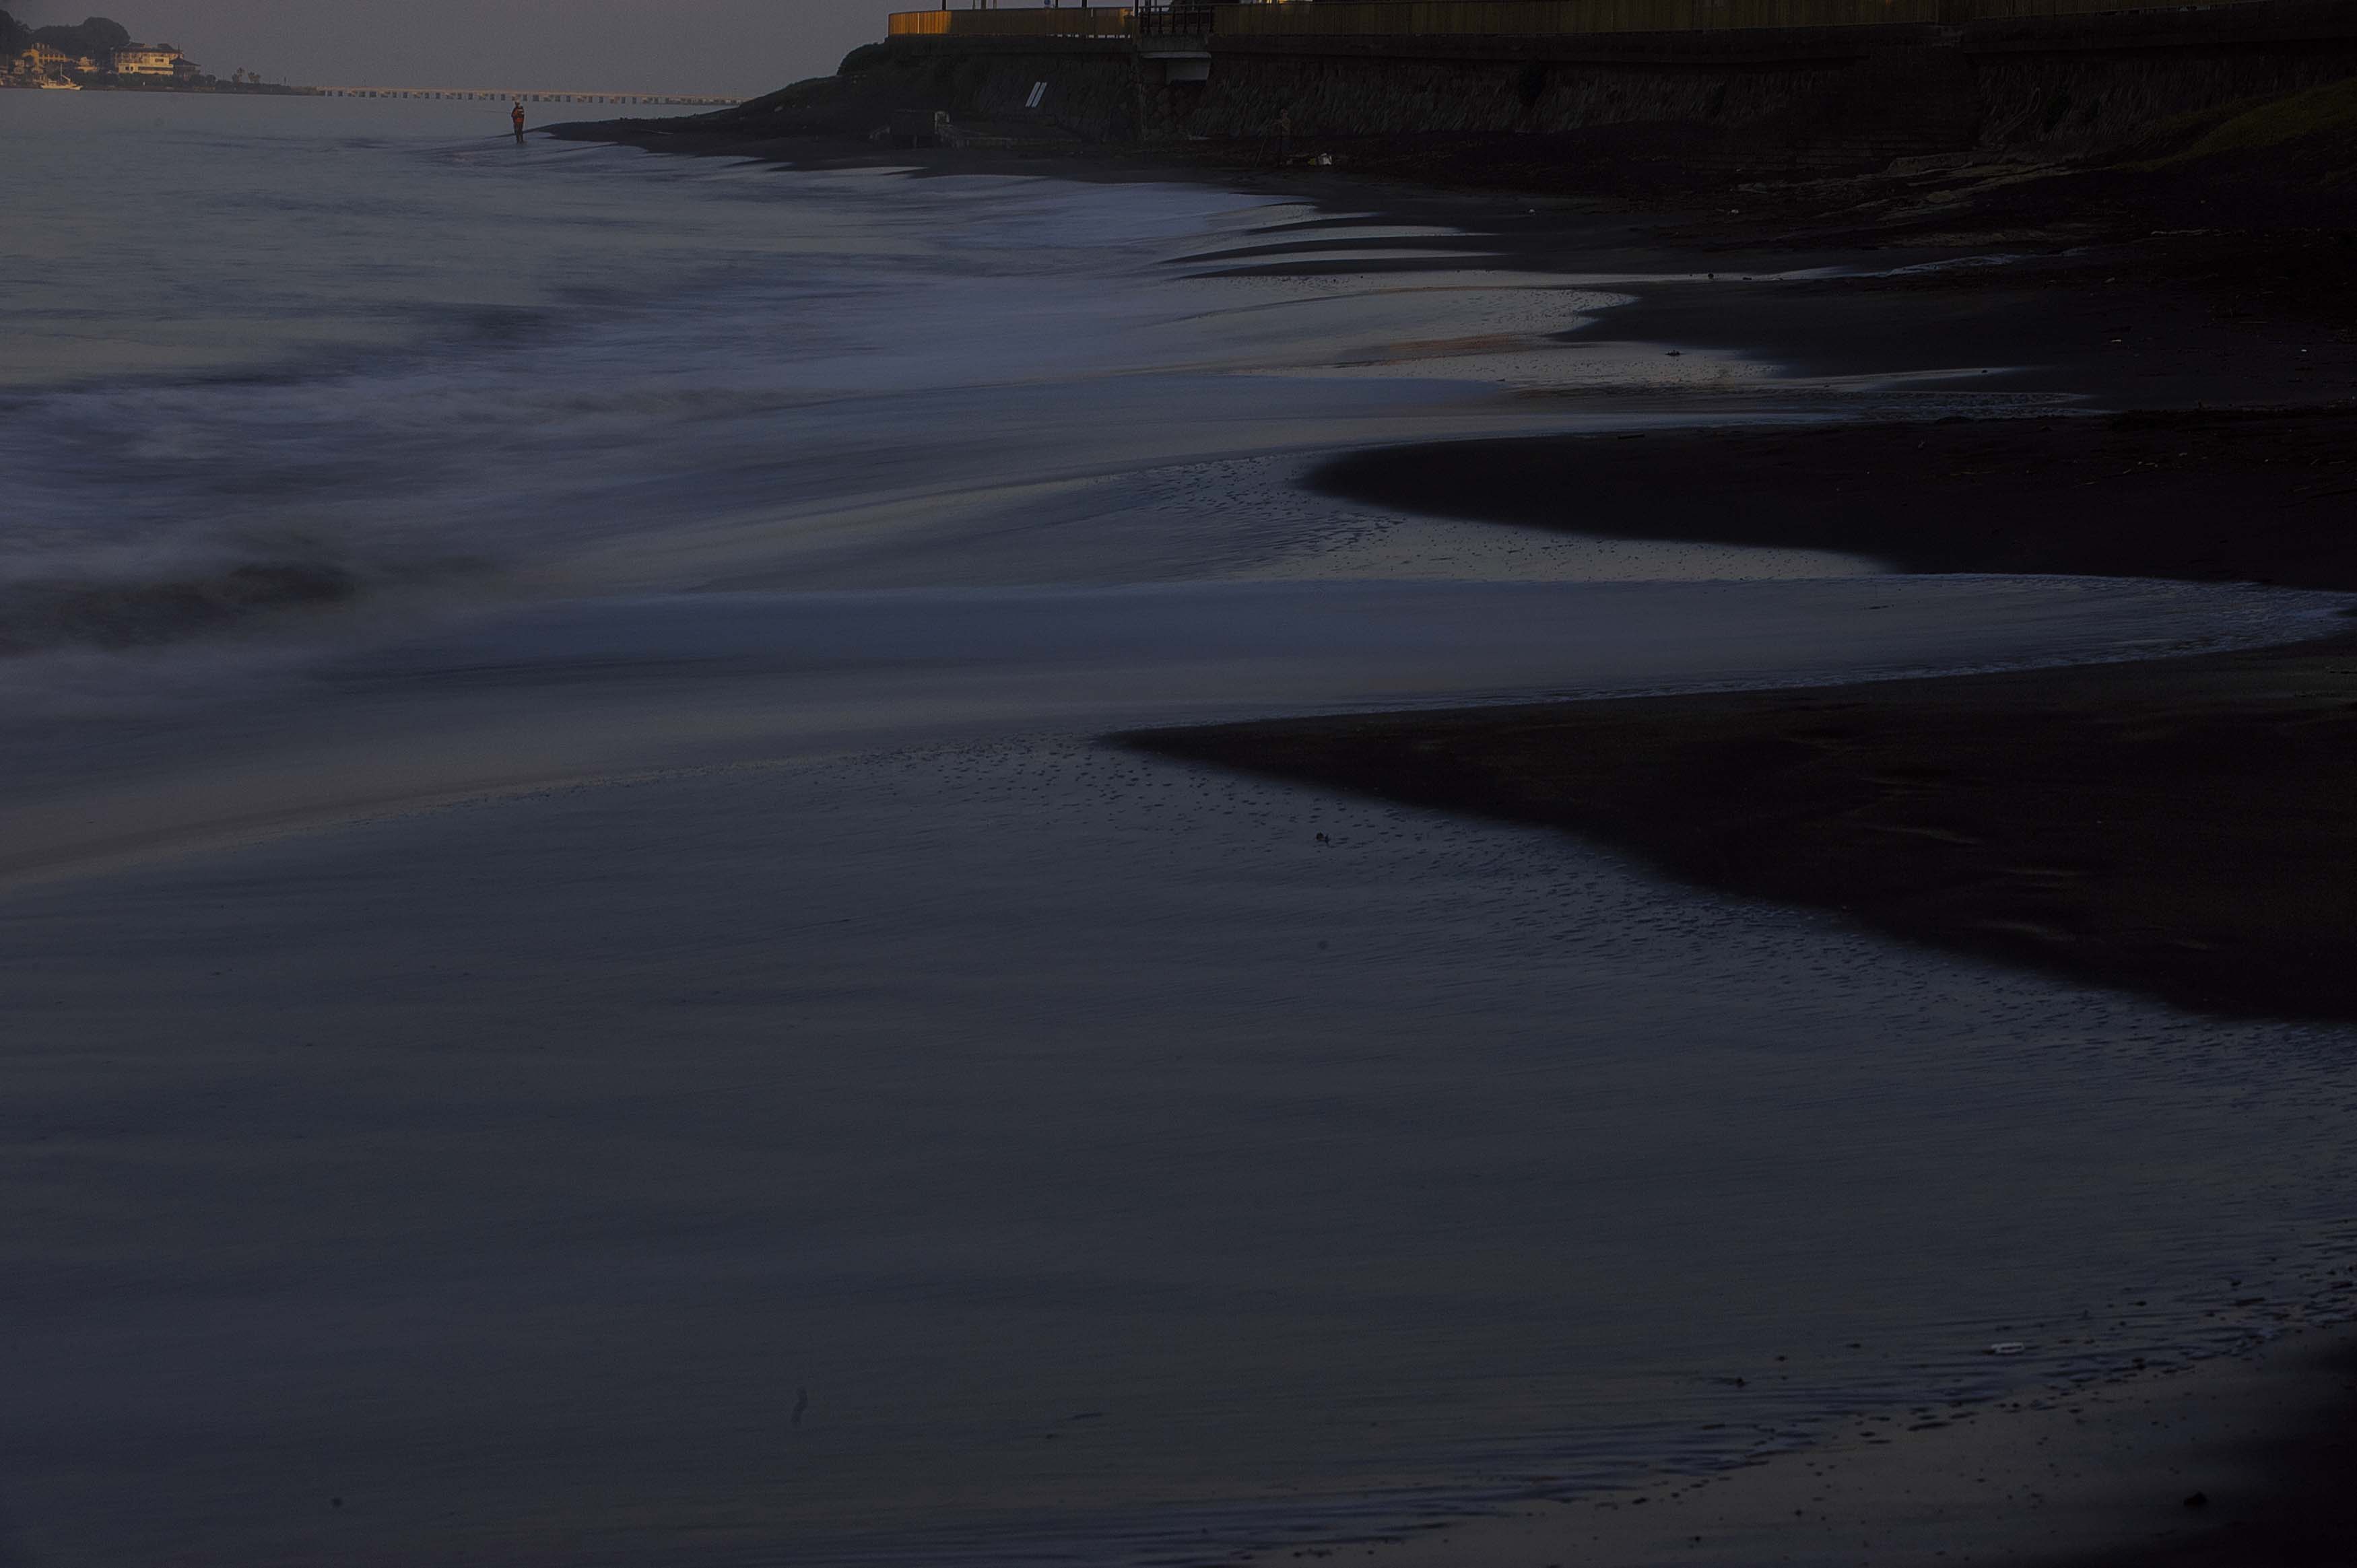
(2179, 827)
(717, 1057)
(2176, 827)
(2245, 495)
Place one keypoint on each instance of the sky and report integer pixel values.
(743, 47)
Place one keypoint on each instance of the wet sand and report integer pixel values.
(663, 1051)
(2253, 496)
(2176, 828)
(2240, 1460)
(489, 1077)
(1115, 1152)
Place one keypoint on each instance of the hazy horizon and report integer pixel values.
(685, 46)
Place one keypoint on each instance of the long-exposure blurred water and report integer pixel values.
(582, 993)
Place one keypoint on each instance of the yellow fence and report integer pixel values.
(1053, 22)
(1505, 18)
(1526, 18)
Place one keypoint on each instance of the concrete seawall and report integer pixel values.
(1804, 97)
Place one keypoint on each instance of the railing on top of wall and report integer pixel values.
(1049, 22)
(1505, 18)
(1530, 17)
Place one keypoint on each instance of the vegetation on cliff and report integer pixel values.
(2319, 126)
(93, 37)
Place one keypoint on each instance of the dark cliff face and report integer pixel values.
(95, 37)
(1824, 97)
(1623, 114)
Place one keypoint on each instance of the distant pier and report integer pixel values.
(531, 95)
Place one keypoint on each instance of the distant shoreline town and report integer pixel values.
(99, 53)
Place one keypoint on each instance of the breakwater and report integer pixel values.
(1852, 93)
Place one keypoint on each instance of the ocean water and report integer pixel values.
(583, 992)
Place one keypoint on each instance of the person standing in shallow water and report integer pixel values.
(516, 116)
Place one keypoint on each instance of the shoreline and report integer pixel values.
(1913, 819)
(797, 1007)
(2171, 827)
(2230, 495)
(2174, 826)
(2055, 284)
(2217, 705)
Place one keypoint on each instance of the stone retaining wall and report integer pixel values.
(1827, 97)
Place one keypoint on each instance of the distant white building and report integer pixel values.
(42, 59)
(147, 62)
